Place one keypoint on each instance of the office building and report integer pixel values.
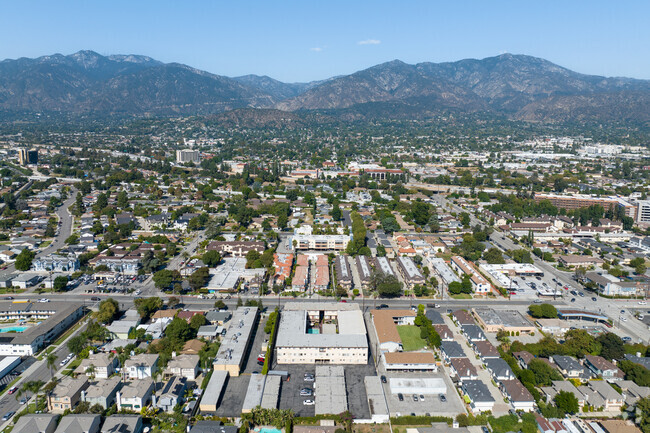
(187, 155)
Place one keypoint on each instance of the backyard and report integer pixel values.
(410, 336)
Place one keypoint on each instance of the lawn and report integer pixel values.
(410, 336)
(462, 296)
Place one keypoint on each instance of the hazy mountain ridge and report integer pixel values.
(520, 87)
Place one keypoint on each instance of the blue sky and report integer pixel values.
(310, 40)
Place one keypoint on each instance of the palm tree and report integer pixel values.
(90, 370)
(51, 362)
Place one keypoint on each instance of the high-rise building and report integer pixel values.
(643, 212)
(27, 156)
(187, 155)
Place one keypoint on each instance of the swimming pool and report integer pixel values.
(13, 329)
(268, 430)
(313, 331)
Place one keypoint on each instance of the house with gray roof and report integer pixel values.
(102, 392)
(478, 394)
(122, 424)
(216, 317)
(186, 366)
(100, 365)
(570, 367)
(135, 395)
(171, 395)
(499, 369)
(208, 426)
(451, 349)
(473, 333)
(36, 423)
(80, 423)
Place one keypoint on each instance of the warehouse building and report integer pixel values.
(235, 343)
(212, 394)
(321, 333)
(330, 389)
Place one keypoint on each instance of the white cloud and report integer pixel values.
(316, 49)
(369, 42)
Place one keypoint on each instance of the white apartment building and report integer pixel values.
(187, 155)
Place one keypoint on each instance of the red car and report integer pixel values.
(12, 390)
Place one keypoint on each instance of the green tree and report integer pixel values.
(122, 200)
(387, 286)
(197, 321)
(50, 360)
(60, 283)
(147, 306)
(179, 331)
(336, 211)
(165, 278)
(76, 344)
(643, 411)
(612, 346)
(493, 256)
(24, 260)
(567, 402)
(578, 342)
(108, 309)
(211, 258)
(543, 373)
(199, 278)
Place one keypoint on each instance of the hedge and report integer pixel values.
(420, 420)
(269, 349)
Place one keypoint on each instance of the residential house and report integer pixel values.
(80, 423)
(485, 350)
(102, 392)
(451, 349)
(66, 394)
(478, 394)
(463, 369)
(141, 366)
(216, 317)
(135, 395)
(172, 394)
(463, 317)
(209, 426)
(520, 398)
(100, 365)
(570, 367)
(473, 333)
(186, 366)
(603, 368)
(600, 393)
(562, 385)
(192, 347)
(444, 332)
(122, 424)
(499, 369)
(36, 423)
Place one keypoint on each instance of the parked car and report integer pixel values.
(383, 379)
(43, 300)
(421, 397)
(594, 299)
(8, 415)
(443, 398)
(309, 377)
(400, 397)
(306, 392)
(308, 402)
(415, 397)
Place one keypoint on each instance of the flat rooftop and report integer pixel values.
(233, 344)
(292, 331)
(506, 318)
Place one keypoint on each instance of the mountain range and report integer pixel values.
(516, 86)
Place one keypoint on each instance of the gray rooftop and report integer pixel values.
(452, 349)
(292, 331)
(477, 391)
(233, 344)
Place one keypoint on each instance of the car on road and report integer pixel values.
(622, 311)
(95, 298)
(626, 339)
(442, 398)
(23, 400)
(643, 303)
(383, 379)
(537, 301)
(582, 295)
(382, 306)
(400, 397)
(64, 362)
(623, 319)
(308, 402)
(43, 300)
(8, 415)
(485, 429)
(13, 390)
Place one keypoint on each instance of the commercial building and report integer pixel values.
(54, 318)
(321, 242)
(502, 274)
(463, 267)
(187, 155)
(410, 272)
(643, 213)
(227, 276)
(506, 320)
(577, 201)
(234, 344)
(321, 333)
(27, 156)
(411, 385)
(330, 389)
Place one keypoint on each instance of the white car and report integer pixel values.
(643, 303)
(43, 300)
(308, 402)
